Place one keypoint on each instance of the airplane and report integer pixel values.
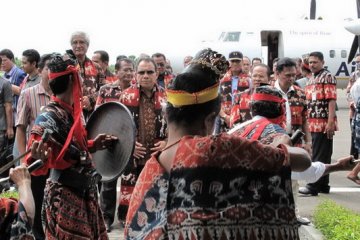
(294, 39)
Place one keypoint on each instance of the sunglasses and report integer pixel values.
(150, 72)
(160, 64)
(235, 61)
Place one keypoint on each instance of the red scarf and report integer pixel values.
(77, 111)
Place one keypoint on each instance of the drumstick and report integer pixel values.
(32, 167)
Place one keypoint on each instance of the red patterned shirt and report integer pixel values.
(298, 107)
(240, 111)
(226, 91)
(110, 77)
(109, 93)
(219, 187)
(319, 90)
(93, 78)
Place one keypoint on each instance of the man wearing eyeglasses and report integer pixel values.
(144, 100)
(164, 77)
(234, 81)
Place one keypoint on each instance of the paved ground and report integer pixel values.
(343, 191)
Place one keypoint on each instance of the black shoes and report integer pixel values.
(313, 192)
(308, 191)
(325, 190)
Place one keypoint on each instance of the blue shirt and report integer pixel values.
(15, 76)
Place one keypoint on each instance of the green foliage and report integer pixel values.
(112, 68)
(18, 62)
(10, 194)
(132, 57)
(337, 222)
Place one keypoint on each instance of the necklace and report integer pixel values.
(169, 146)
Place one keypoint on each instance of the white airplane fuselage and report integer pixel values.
(292, 39)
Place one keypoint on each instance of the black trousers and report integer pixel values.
(37, 187)
(322, 149)
(108, 200)
(353, 150)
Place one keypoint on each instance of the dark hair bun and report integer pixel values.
(208, 58)
(58, 64)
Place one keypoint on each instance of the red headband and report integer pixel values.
(77, 92)
(266, 97)
(69, 69)
(306, 66)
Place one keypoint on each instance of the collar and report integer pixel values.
(33, 78)
(277, 86)
(318, 73)
(42, 90)
(154, 89)
(12, 70)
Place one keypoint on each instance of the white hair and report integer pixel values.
(81, 34)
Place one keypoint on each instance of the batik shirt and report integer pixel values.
(240, 111)
(250, 130)
(151, 128)
(219, 187)
(69, 213)
(165, 80)
(93, 78)
(57, 117)
(110, 77)
(298, 107)
(226, 91)
(147, 112)
(319, 90)
(109, 93)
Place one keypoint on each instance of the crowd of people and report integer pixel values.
(213, 156)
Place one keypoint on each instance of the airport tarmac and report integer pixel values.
(343, 191)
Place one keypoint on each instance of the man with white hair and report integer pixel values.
(91, 73)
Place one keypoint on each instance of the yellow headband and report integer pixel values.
(179, 98)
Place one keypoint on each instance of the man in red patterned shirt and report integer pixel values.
(91, 73)
(101, 57)
(111, 93)
(234, 81)
(321, 97)
(240, 111)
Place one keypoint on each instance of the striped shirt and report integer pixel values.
(30, 104)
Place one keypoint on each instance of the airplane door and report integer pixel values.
(272, 46)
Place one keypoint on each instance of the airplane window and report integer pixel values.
(232, 37)
(332, 53)
(343, 53)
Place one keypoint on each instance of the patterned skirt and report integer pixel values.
(69, 215)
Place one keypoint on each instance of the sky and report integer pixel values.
(143, 26)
